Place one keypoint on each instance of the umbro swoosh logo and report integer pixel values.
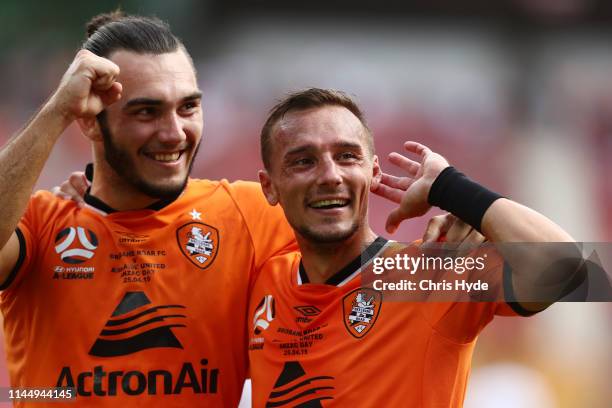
(137, 325)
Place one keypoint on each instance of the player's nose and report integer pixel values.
(329, 172)
(171, 129)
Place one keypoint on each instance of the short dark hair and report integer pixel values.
(308, 99)
(114, 31)
(110, 32)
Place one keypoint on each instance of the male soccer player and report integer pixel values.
(140, 297)
(321, 337)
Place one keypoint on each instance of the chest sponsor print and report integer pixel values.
(138, 324)
(295, 387)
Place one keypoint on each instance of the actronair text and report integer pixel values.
(101, 382)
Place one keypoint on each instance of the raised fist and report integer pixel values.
(87, 87)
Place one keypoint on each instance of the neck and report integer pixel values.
(114, 191)
(322, 261)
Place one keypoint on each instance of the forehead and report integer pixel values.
(319, 127)
(163, 76)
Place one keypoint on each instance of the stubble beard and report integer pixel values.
(121, 162)
(319, 237)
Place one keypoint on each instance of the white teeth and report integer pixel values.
(325, 203)
(167, 157)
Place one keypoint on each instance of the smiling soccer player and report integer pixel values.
(319, 335)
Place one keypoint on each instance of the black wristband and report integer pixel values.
(89, 172)
(454, 192)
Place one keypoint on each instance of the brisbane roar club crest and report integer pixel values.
(199, 243)
(360, 309)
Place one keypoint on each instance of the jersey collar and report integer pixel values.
(353, 268)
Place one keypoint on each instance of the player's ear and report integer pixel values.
(376, 171)
(90, 128)
(267, 187)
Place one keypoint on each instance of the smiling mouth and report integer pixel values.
(165, 157)
(328, 204)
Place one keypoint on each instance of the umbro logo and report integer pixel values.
(307, 313)
(294, 388)
(308, 310)
(138, 325)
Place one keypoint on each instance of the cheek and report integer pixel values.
(129, 141)
(136, 132)
(363, 187)
(289, 196)
(290, 191)
(194, 126)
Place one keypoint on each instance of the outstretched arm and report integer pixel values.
(86, 88)
(429, 180)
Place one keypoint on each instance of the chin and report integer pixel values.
(327, 236)
(161, 190)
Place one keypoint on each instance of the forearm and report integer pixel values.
(87, 87)
(544, 260)
(546, 265)
(508, 221)
(498, 218)
(21, 162)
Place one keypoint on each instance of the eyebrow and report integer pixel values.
(159, 102)
(305, 148)
(297, 150)
(193, 96)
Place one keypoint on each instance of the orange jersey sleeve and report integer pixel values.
(40, 209)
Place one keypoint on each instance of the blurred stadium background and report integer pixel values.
(516, 93)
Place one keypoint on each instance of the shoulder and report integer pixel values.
(280, 263)
(251, 202)
(203, 185)
(44, 197)
(243, 201)
(241, 191)
(246, 191)
(44, 204)
(278, 269)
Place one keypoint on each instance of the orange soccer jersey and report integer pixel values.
(139, 308)
(341, 344)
